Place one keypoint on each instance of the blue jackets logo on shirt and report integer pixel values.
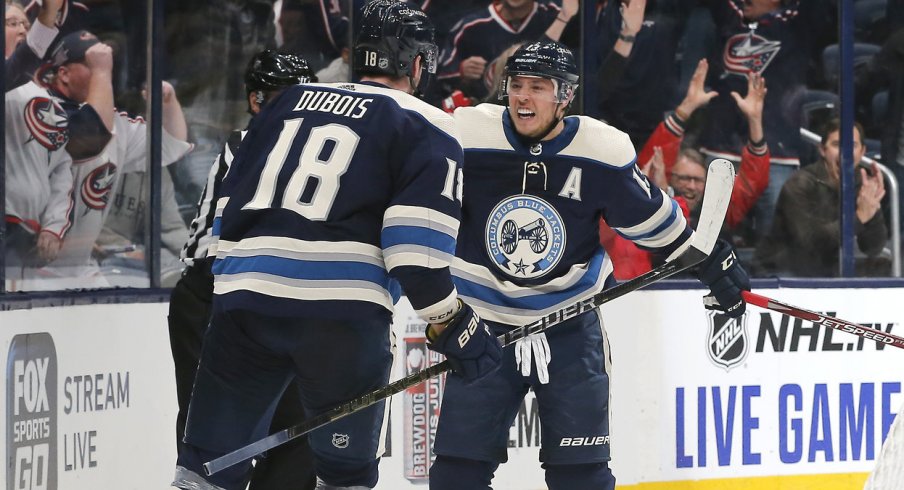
(749, 53)
(525, 236)
(47, 122)
(97, 185)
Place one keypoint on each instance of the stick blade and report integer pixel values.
(716, 195)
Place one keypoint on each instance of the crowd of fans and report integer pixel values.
(688, 80)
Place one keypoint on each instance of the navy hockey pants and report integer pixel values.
(573, 406)
(288, 466)
(249, 359)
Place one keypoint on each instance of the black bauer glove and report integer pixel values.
(470, 347)
(725, 277)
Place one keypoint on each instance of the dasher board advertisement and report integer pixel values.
(698, 401)
(90, 398)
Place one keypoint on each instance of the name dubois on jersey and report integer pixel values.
(332, 102)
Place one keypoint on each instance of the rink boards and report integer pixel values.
(698, 403)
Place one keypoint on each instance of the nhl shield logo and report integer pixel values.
(525, 236)
(728, 343)
(340, 440)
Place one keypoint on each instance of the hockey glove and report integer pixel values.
(468, 344)
(725, 277)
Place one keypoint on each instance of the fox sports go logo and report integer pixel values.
(525, 236)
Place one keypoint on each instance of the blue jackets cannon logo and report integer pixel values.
(525, 236)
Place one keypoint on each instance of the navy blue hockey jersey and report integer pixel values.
(338, 194)
(529, 243)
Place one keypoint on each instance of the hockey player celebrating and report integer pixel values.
(338, 194)
(537, 183)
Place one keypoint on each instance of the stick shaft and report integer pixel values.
(828, 321)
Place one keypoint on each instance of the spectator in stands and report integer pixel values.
(682, 172)
(885, 71)
(684, 169)
(38, 171)
(806, 233)
(73, 15)
(637, 74)
(763, 37)
(16, 26)
(27, 43)
(103, 143)
(480, 37)
(206, 42)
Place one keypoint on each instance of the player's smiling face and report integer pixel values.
(532, 104)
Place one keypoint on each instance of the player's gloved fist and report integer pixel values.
(468, 344)
(725, 277)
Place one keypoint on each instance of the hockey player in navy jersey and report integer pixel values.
(339, 194)
(536, 185)
(289, 466)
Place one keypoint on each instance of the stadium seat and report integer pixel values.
(831, 59)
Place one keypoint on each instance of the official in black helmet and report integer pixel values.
(290, 466)
(269, 72)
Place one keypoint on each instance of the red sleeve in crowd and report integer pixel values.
(750, 183)
(668, 136)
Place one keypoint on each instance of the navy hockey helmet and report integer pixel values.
(544, 59)
(391, 36)
(268, 71)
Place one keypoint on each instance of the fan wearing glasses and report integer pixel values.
(26, 44)
(684, 170)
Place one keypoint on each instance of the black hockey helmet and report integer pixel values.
(391, 36)
(269, 70)
(544, 59)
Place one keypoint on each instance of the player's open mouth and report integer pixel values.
(525, 114)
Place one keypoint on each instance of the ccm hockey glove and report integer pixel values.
(725, 277)
(468, 344)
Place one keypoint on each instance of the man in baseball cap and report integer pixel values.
(71, 48)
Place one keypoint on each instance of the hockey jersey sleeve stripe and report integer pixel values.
(309, 270)
(668, 210)
(668, 236)
(292, 248)
(661, 228)
(412, 255)
(413, 235)
(304, 290)
(420, 216)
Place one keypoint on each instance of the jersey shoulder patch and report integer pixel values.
(596, 140)
(481, 127)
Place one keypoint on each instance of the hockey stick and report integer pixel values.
(828, 321)
(717, 193)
